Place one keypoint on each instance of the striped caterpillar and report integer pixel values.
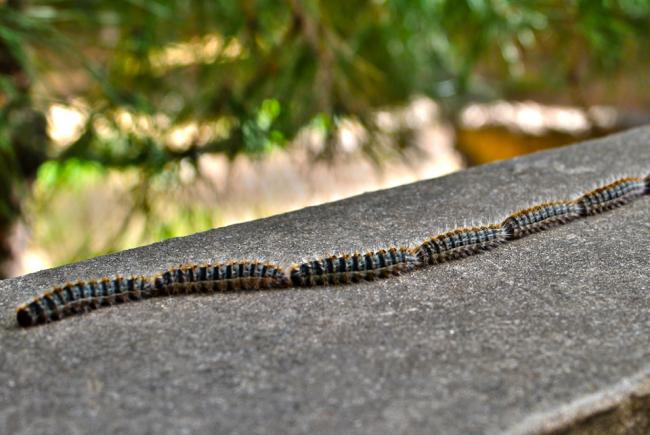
(540, 217)
(460, 243)
(79, 297)
(348, 268)
(334, 270)
(243, 275)
(83, 296)
(613, 195)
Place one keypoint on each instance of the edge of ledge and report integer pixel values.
(621, 409)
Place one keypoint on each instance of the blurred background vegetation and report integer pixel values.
(126, 122)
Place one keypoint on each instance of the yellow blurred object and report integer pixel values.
(503, 129)
(498, 143)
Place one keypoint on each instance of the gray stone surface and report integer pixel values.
(507, 341)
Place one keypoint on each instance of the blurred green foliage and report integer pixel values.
(256, 72)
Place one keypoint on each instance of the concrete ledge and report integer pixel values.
(536, 336)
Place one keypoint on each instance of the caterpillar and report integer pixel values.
(459, 243)
(612, 195)
(74, 298)
(83, 296)
(540, 217)
(355, 267)
(242, 275)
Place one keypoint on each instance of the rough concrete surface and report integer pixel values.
(528, 337)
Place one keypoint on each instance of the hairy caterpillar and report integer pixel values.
(353, 268)
(253, 275)
(540, 217)
(243, 275)
(81, 296)
(612, 195)
(459, 243)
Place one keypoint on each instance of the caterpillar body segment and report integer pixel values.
(460, 243)
(244, 275)
(647, 184)
(540, 217)
(346, 268)
(612, 195)
(79, 297)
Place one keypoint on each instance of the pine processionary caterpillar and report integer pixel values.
(83, 296)
(460, 243)
(540, 217)
(242, 275)
(355, 267)
(613, 195)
